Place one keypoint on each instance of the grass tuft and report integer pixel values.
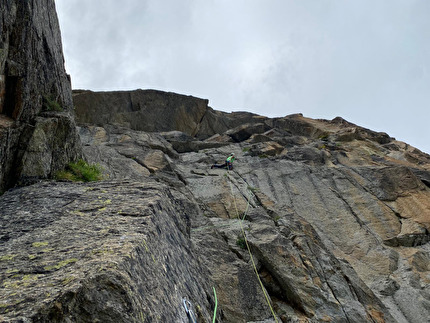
(240, 242)
(80, 171)
(50, 104)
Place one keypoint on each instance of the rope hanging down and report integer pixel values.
(216, 305)
(249, 249)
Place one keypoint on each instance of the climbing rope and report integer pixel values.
(216, 305)
(249, 249)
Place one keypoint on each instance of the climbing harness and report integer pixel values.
(189, 311)
(249, 249)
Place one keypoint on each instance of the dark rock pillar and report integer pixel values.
(35, 93)
(2, 92)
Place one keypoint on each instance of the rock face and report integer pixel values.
(320, 221)
(337, 228)
(148, 110)
(98, 253)
(151, 110)
(36, 124)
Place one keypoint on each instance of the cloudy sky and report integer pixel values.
(367, 61)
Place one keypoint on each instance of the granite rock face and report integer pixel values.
(337, 230)
(151, 110)
(104, 252)
(148, 110)
(35, 94)
(320, 221)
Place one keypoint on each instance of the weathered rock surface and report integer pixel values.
(338, 230)
(148, 110)
(320, 221)
(357, 195)
(357, 216)
(35, 139)
(104, 252)
(151, 110)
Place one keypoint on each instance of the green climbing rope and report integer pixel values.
(216, 305)
(249, 250)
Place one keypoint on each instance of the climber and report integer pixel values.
(228, 163)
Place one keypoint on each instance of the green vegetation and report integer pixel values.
(61, 264)
(50, 104)
(253, 189)
(67, 280)
(263, 156)
(324, 136)
(241, 243)
(40, 244)
(80, 171)
(245, 149)
(29, 277)
(12, 271)
(7, 257)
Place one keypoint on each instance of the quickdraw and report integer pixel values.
(190, 314)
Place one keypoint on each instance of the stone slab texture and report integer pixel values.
(36, 120)
(338, 230)
(319, 221)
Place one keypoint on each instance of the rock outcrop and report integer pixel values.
(37, 130)
(337, 228)
(151, 110)
(320, 221)
(111, 252)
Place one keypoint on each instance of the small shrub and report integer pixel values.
(246, 149)
(263, 156)
(240, 242)
(324, 137)
(80, 171)
(253, 189)
(50, 104)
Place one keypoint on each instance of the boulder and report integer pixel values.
(219, 138)
(183, 143)
(243, 132)
(266, 149)
(156, 161)
(298, 125)
(308, 155)
(218, 122)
